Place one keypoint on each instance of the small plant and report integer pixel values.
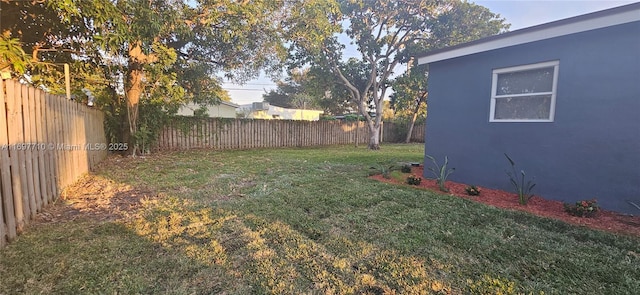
(406, 168)
(384, 169)
(441, 172)
(414, 180)
(522, 189)
(584, 208)
(472, 190)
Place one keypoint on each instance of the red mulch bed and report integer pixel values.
(604, 220)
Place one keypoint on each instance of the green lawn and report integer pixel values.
(293, 221)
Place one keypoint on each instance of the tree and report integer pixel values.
(52, 33)
(287, 90)
(330, 94)
(384, 32)
(174, 49)
(312, 87)
(409, 98)
(152, 53)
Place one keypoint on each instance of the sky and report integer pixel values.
(519, 13)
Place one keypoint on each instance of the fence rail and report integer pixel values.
(46, 143)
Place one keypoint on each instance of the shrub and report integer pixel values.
(327, 118)
(472, 190)
(441, 172)
(414, 180)
(384, 169)
(406, 168)
(522, 189)
(584, 208)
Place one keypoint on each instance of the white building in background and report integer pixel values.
(223, 110)
(263, 110)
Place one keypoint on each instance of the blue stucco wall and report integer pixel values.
(591, 150)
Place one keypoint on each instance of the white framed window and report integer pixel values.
(524, 93)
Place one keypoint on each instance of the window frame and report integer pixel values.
(494, 85)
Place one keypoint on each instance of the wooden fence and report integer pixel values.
(219, 133)
(392, 132)
(46, 143)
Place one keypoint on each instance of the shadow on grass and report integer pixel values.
(85, 257)
(299, 221)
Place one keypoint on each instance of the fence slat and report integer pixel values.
(7, 214)
(50, 139)
(40, 140)
(35, 198)
(26, 117)
(18, 173)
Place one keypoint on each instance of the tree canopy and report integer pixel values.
(385, 33)
(409, 98)
(318, 88)
(149, 56)
(154, 52)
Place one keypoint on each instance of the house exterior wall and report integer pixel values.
(213, 111)
(591, 150)
(280, 113)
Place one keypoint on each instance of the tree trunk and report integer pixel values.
(411, 124)
(423, 98)
(374, 135)
(137, 60)
(133, 93)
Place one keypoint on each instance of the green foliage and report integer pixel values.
(398, 176)
(441, 172)
(409, 100)
(353, 118)
(327, 118)
(584, 208)
(55, 32)
(115, 121)
(12, 57)
(150, 125)
(414, 180)
(179, 51)
(522, 188)
(400, 129)
(200, 112)
(472, 190)
(385, 33)
(151, 53)
(385, 168)
(310, 88)
(406, 168)
(409, 96)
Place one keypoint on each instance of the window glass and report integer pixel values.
(529, 81)
(523, 107)
(524, 93)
